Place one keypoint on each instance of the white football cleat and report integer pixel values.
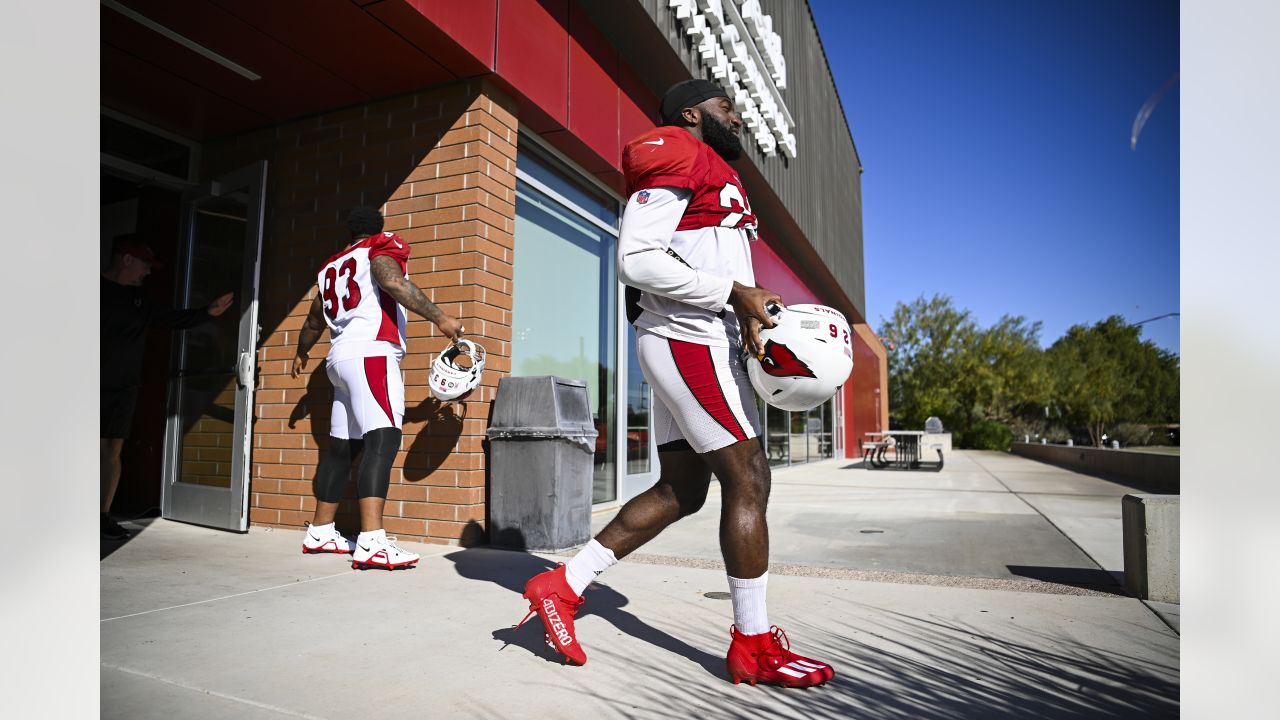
(326, 539)
(382, 553)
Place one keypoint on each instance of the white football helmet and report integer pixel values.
(808, 355)
(452, 381)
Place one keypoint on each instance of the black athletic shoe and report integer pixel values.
(111, 530)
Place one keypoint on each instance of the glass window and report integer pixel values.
(586, 200)
(564, 320)
(799, 441)
(827, 442)
(813, 432)
(638, 404)
(777, 445)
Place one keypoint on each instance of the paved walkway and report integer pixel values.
(986, 590)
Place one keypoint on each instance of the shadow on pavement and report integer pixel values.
(896, 666)
(136, 526)
(1087, 578)
(511, 569)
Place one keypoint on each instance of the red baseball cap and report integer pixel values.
(131, 244)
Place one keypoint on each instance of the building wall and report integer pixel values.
(867, 394)
(441, 164)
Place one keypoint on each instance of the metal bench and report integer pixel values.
(873, 453)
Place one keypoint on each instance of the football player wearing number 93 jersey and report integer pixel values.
(363, 293)
(684, 252)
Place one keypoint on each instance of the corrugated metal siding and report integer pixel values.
(822, 187)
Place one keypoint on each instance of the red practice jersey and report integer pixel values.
(669, 156)
(363, 320)
(712, 236)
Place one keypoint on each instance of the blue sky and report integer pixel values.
(995, 141)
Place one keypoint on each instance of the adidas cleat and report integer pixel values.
(767, 658)
(555, 604)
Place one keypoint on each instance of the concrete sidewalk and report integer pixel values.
(987, 592)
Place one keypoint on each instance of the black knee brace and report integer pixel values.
(380, 448)
(335, 469)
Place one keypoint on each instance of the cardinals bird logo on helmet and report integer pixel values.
(807, 357)
(454, 380)
(779, 361)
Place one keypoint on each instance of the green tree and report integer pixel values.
(1107, 374)
(942, 363)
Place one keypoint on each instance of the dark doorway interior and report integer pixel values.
(152, 211)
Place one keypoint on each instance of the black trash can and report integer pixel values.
(541, 459)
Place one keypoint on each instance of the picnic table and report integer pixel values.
(907, 446)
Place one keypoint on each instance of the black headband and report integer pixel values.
(686, 94)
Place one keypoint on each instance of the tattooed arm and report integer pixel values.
(390, 277)
(307, 338)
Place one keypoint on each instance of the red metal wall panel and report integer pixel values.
(533, 56)
(637, 107)
(593, 92)
(343, 39)
(288, 83)
(861, 400)
(772, 272)
(472, 24)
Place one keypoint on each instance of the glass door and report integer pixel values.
(212, 366)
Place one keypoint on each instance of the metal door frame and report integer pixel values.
(226, 508)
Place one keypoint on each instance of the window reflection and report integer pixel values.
(564, 316)
(797, 437)
(777, 445)
(638, 403)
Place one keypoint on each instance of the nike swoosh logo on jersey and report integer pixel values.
(397, 242)
(659, 141)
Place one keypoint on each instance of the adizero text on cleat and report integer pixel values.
(555, 603)
(327, 540)
(382, 554)
(767, 658)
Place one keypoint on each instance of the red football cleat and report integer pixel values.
(555, 603)
(767, 658)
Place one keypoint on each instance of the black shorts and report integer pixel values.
(116, 413)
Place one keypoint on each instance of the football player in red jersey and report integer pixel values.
(684, 246)
(364, 291)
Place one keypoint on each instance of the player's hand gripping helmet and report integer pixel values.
(451, 380)
(807, 357)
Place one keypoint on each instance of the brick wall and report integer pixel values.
(441, 164)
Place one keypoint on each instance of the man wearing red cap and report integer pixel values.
(127, 313)
(684, 253)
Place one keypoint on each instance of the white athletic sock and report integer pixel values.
(749, 612)
(592, 560)
(372, 536)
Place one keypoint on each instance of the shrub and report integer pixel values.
(1131, 434)
(988, 435)
(1057, 434)
(1024, 427)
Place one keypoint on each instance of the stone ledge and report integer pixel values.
(1159, 473)
(1151, 541)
